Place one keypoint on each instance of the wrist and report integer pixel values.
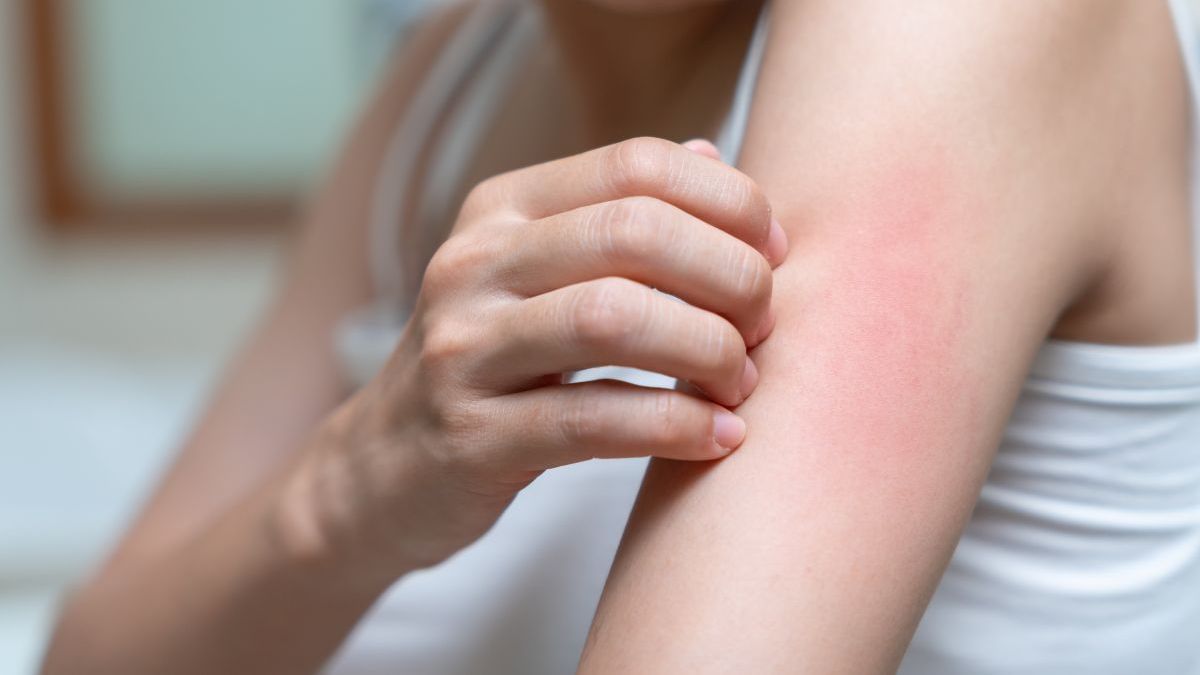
(296, 525)
(328, 515)
(309, 520)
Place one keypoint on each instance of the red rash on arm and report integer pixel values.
(857, 431)
(940, 169)
(892, 305)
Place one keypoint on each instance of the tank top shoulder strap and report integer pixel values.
(365, 338)
(733, 131)
(464, 127)
(458, 64)
(1188, 31)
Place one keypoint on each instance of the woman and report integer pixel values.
(992, 271)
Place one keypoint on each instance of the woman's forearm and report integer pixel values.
(241, 597)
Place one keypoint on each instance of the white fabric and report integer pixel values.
(1083, 555)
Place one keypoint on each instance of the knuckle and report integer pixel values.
(753, 281)
(460, 258)
(628, 228)
(756, 208)
(747, 203)
(483, 195)
(669, 425)
(464, 431)
(439, 274)
(581, 423)
(603, 312)
(638, 164)
(444, 343)
(442, 272)
(725, 352)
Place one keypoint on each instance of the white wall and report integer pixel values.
(107, 347)
(91, 329)
(12, 243)
(223, 96)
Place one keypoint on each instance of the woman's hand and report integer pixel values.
(549, 270)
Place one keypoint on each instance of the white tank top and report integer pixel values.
(1082, 556)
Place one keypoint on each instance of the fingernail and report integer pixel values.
(703, 147)
(777, 243)
(728, 429)
(749, 378)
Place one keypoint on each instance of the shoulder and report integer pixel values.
(1054, 131)
(978, 67)
(1017, 122)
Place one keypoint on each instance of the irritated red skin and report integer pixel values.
(884, 296)
(862, 414)
(858, 453)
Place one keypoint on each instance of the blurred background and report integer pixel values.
(153, 154)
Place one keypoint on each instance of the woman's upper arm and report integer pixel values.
(286, 378)
(944, 172)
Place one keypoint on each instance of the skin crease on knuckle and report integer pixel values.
(640, 230)
(640, 166)
(754, 279)
(673, 428)
(472, 254)
(454, 262)
(750, 204)
(655, 167)
(724, 345)
(630, 229)
(478, 200)
(601, 314)
(580, 423)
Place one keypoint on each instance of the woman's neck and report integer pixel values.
(669, 74)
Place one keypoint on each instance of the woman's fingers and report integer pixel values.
(703, 147)
(562, 424)
(615, 321)
(652, 242)
(693, 181)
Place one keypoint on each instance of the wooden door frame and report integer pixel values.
(64, 202)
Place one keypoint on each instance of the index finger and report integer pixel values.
(697, 183)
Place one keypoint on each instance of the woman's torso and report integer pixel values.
(1083, 554)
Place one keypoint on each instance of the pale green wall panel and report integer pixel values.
(229, 96)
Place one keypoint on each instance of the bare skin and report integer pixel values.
(291, 511)
(251, 530)
(938, 240)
